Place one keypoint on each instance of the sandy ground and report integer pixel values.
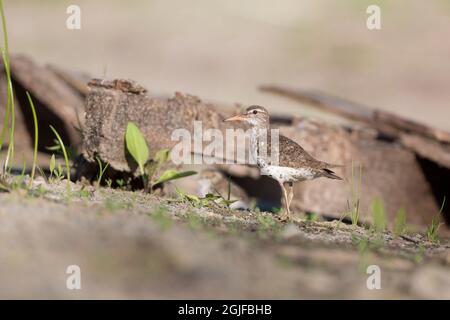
(132, 245)
(223, 50)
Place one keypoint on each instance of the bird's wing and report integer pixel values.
(293, 155)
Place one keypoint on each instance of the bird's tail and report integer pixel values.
(330, 174)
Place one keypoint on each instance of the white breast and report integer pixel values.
(286, 174)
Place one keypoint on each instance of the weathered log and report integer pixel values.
(56, 103)
(64, 104)
(427, 148)
(110, 105)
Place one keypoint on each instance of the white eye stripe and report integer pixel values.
(256, 111)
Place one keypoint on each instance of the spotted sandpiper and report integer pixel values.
(293, 162)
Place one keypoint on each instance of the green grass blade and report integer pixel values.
(24, 168)
(101, 171)
(5, 30)
(400, 223)
(378, 215)
(5, 126)
(10, 105)
(66, 158)
(36, 137)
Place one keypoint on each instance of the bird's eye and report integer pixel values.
(255, 111)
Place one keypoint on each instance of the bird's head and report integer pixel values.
(253, 115)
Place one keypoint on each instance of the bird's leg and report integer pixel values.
(287, 215)
(291, 193)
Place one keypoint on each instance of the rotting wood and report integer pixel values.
(427, 148)
(111, 104)
(56, 104)
(51, 93)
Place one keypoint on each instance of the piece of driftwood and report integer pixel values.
(427, 148)
(22, 139)
(57, 104)
(110, 105)
(49, 92)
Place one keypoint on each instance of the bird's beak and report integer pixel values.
(239, 117)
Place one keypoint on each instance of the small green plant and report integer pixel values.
(399, 223)
(101, 172)
(138, 149)
(24, 168)
(196, 201)
(221, 200)
(311, 216)
(378, 216)
(109, 182)
(59, 172)
(52, 166)
(354, 205)
(66, 158)
(120, 183)
(83, 193)
(433, 228)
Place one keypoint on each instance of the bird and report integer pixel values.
(293, 162)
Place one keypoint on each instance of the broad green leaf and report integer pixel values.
(52, 163)
(172, 175)
(136, 145)
(162, 156)
(150, 169)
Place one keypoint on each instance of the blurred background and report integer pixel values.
(223, 50)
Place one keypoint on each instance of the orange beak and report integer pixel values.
(239, 117)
